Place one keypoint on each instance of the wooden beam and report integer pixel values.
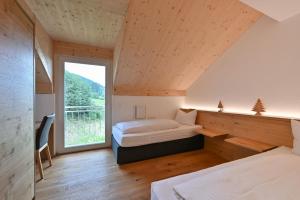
(140, 92)
(79, 50)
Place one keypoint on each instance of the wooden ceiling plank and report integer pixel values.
(184, 48)
(229, 37)
(170, 43)
(203, 49)
(174, 50)
(156, 49)
(92, 22)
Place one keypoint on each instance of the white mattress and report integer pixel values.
(138, 139)
(146, 125)
(163, 190)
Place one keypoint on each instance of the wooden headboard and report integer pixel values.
(271, 130)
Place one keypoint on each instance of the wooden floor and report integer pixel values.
(95, 175)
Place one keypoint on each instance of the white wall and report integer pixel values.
(264, 63)
(44, 105)
(156, 107)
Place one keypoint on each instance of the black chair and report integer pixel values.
(42, 141)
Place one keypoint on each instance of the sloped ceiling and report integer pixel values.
(90, 22)
(166, 45)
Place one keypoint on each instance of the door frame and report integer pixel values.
(60, 104)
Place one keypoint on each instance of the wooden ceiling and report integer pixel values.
(90, 22)
(166, 45)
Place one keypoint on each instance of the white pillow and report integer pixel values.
(187, 118)
(296, 133)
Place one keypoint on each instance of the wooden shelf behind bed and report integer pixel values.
(209, 133)
(250, 144)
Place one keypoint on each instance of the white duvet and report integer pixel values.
(276, 177)
(142, 126)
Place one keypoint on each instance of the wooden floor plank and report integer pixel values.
(94, 175)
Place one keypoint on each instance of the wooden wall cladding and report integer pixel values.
(16, 103)
(145, 92)
(83, 51)
(168, 44)
(275, 131)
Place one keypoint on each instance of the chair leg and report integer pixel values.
(49, 155)
(39, 162)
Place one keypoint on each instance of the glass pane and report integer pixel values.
(84, 104)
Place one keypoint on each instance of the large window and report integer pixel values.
(84, 97)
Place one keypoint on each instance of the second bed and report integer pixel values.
(148, 141)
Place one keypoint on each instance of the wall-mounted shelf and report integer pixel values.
(250, 144)
(209, 133)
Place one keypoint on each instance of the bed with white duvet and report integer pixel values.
(274, 175)
(143, 139)
(143, 132)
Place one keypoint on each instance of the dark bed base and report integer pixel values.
(132, 154)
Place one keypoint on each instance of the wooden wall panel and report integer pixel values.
(167, 44)
(270, 130)
(145, 92)
(16, 103)
(78, 50)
